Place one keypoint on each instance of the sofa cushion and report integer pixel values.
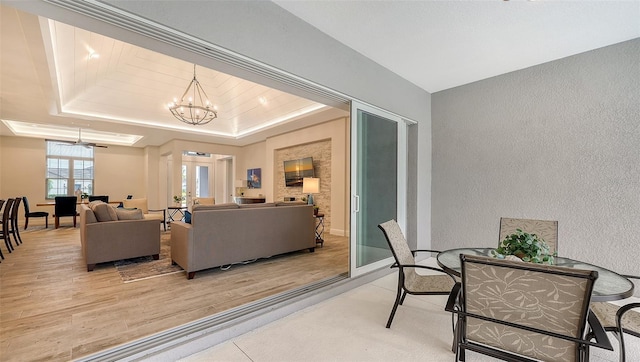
(104, 212)
(187, 217)
(126, 214)
(228, 205)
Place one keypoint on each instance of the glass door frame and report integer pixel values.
(401, 197)
(189, 184)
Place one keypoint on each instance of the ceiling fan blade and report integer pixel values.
(101, 146)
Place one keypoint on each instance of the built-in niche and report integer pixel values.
(320, 151)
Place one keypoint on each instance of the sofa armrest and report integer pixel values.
(182, 244)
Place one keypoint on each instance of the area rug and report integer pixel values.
(136, 269)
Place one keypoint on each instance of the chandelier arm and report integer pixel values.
(196, 105)
(186, 91)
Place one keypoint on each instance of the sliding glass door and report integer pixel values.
(379, 159)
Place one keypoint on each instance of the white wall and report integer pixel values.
(559, 141)
(253, 156)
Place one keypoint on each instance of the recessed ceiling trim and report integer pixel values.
(39, 130)
(118, 17)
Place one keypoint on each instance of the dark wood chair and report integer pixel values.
(28, 213)
(13, 221)
(518, 311)
(6, 224)
(1, 203)
(65, 206)
(103, 198)
(410, 282)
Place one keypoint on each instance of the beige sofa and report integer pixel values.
(128, 237)
(226, 234)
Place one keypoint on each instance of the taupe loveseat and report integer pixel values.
(225, 234)
(122, 234)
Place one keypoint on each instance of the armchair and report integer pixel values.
(204, 201)
(141, 203)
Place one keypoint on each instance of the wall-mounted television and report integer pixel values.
(296, 170)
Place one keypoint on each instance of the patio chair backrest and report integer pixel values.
(546, 229)
(546, 299)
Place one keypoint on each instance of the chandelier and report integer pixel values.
(196, 109)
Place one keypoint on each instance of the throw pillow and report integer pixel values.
(126, 214)
(104, 212)
(187, 217)
(90, 217)
(112, 212)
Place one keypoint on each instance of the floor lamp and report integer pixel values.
(310, 186)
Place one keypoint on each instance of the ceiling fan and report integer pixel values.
(80, 142)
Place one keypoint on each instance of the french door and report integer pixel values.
(378, 187)
(197, 180)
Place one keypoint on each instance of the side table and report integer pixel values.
(319, 228)
(173, 210)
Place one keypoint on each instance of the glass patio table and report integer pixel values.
(608, 286)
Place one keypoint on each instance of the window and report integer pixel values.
(69, 169)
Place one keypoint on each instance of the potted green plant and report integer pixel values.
(526, 246)
(315, 209)
(178, 199)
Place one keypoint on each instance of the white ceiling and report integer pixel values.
(443, 44)
(434, 44)
(127, 88)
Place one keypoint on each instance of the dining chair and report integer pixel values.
(28, 213)
(13, 220)
(409, 281)
(6, 224)
(518, 311)
(65, 206)
(1, 203)
(103, 198)
(619, 319)
(546, 229)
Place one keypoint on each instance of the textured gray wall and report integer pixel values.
(558, 141)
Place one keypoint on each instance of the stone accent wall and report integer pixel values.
(321, 153)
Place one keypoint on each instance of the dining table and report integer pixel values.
(608, 286)
(52, 203)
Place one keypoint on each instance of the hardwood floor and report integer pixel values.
(53, 309)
